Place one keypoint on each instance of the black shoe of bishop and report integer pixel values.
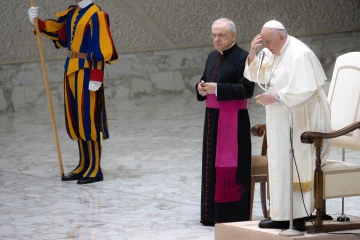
(72, 176)
(209, 224)
(87, 180)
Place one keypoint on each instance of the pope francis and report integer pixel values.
(292, 72)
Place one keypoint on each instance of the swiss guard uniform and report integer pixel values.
(85, 32)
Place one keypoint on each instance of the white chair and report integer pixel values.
(338, 179)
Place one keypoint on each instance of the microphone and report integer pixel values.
(261, 59)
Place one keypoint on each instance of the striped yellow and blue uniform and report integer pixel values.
(85, 31)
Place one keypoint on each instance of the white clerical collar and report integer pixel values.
(84, 3)
(222, 52)
(283, 48)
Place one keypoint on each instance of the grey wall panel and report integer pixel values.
(147, 25)
(189, 21)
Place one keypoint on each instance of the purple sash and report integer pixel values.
(226, 162)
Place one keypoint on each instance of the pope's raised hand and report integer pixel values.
(255, 44)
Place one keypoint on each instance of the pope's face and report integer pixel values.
(272, 40)
(223, 38)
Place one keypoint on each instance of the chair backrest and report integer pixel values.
(344, 99)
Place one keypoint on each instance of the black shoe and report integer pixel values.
(72, 176)
(86, 180)
(274, 224)
(210, 224)
(299, 224)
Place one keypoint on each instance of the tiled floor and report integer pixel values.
(152, 165)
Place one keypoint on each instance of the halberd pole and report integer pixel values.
(46, 80)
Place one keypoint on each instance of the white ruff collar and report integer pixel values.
(84, 3)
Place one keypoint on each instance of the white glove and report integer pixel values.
(33, 13)
(94, 85)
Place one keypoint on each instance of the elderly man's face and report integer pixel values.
(272, 41)
(223, 38)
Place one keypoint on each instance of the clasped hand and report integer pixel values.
(266, 99)
(206, 88)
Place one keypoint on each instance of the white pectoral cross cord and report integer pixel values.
(273, 69)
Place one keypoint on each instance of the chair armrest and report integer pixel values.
(310, 137)
(258, 130)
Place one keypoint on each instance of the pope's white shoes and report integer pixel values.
(33, 13)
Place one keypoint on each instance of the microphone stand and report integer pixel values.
(291, 231)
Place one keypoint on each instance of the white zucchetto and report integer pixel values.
(274, 24)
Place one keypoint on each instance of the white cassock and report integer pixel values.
(297, 78)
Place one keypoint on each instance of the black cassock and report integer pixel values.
(226, 70)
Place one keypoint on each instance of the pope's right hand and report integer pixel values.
(33, 13)
(255, 44)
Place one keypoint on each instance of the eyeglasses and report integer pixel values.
(220, 35)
